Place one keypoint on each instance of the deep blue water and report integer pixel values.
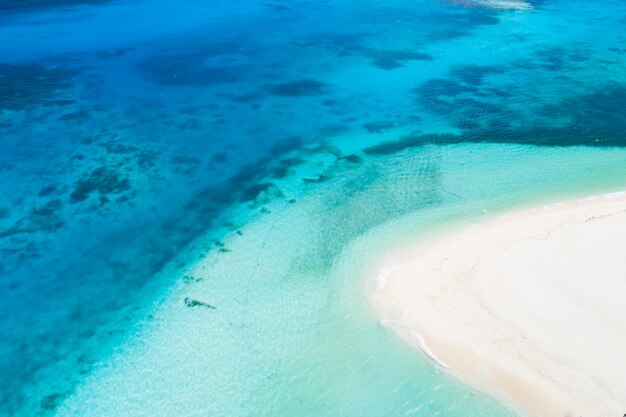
(130, 128)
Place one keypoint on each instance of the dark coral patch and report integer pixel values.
(352, 158)
(47, 190)
(392, 59)
(44, 218)
(190, 302)
(410, 141)
(466, 98)
(26, 86)
(277, 6)
(559, 58)
(379, 126)
(352, 45)
(593, 119)
(300, 88)
(263, 192)
(441, 87)
(21, 5)
(474, 74)
(75, 116)
(102, 180)
(51, 401)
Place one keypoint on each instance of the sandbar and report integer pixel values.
(529, 307)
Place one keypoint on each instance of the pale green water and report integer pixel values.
(292, 332)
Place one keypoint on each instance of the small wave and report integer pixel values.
(422, 344)
(616, 194)
(383, 274)
(495, 4)
(380, 282)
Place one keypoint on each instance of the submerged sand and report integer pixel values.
(530, 306)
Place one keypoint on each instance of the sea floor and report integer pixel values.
(279, 324)
(158, 160)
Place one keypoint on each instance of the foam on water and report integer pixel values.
(380, 282)
(496, 4)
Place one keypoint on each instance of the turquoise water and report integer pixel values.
(195, 195)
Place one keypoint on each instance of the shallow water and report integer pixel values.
(258, 158)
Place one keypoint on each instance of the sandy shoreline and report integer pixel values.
(530, 306)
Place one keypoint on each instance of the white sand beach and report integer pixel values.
(529, 307)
